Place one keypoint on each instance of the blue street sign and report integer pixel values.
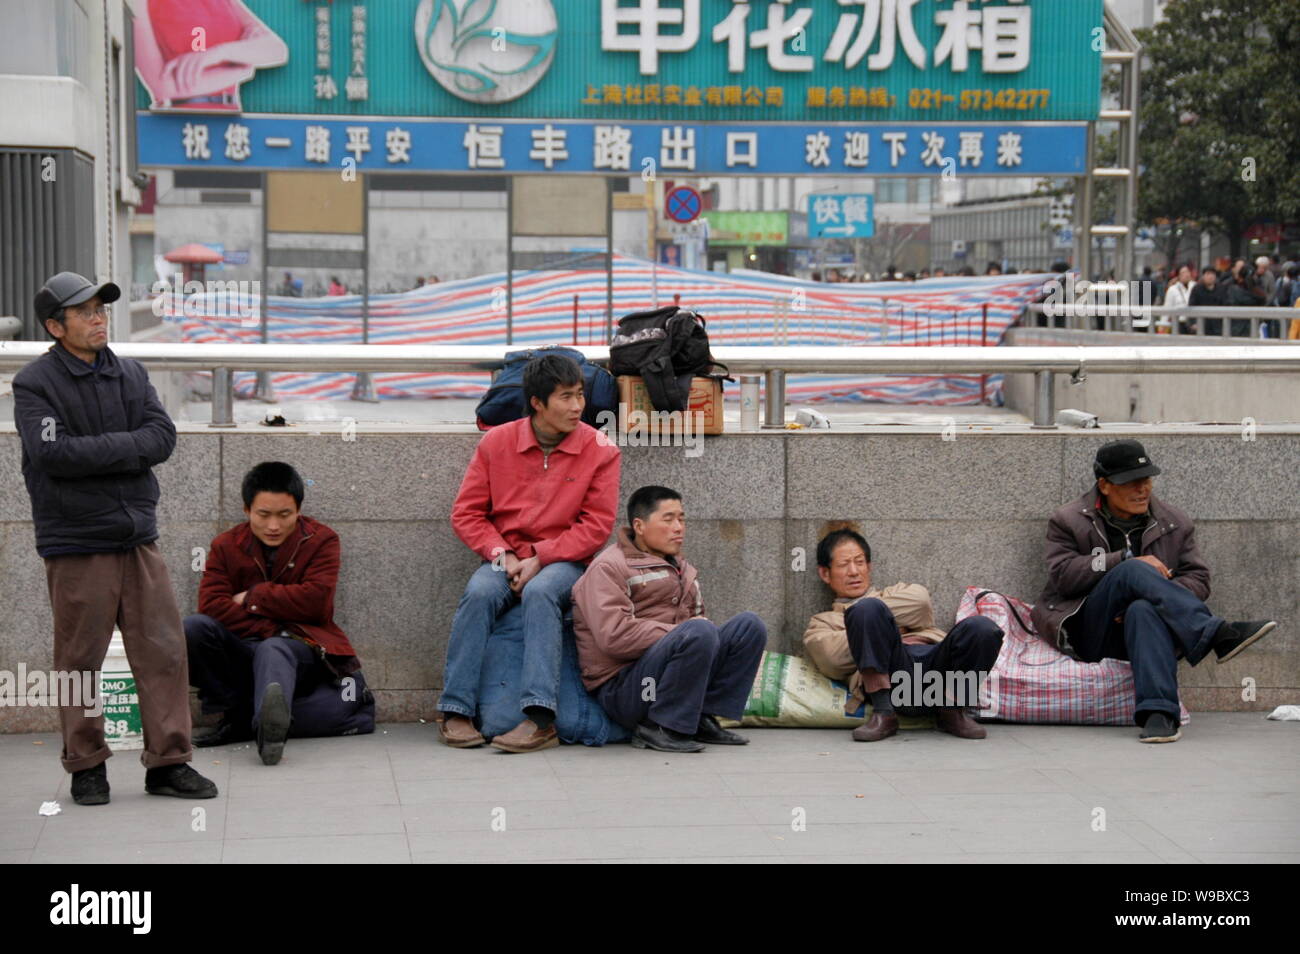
(834, 215)
(683, 204)
(618, 148)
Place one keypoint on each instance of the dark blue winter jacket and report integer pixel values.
(91, 435)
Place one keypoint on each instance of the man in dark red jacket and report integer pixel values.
(1125, 580)
(264, 647)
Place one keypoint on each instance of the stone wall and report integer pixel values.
(945, 513)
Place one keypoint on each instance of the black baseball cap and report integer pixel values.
(1123, 461)
(69, 288)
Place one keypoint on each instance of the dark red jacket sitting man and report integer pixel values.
(264, 647)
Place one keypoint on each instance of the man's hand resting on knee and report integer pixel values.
(524, 571)
(1155, 562)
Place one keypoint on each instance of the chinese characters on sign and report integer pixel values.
(356, 86)
(842, 216)
(323, 81)
(612, 148)
(999, 32)
(677, 60)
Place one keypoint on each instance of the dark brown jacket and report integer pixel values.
(1077, 529)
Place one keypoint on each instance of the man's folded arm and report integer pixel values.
(52, 450)
(910, 603)
(216, 599)
(155, 438)
(311, 601)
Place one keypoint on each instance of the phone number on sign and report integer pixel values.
(986, 99)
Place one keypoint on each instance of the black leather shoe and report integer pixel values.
(1232, 638)
(180, 781)
(90, 786)
(714, 734)
(224, 733)
(273, 725)
(648, 735)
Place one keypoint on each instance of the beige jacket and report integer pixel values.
(826, 643)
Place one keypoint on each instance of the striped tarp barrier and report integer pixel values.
(741, 308)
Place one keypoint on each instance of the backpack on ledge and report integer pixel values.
(504, 400)
(666, 347)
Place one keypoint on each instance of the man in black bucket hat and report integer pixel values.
(1125, 581)
(92, 431)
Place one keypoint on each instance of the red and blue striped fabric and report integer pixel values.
(742, 308)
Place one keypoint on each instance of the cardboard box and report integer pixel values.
(636, 411)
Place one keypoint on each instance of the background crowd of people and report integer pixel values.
(1269, 283)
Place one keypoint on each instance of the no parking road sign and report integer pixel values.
(683, 204)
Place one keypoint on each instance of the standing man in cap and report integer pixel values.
(92, 429)
(1125, 581)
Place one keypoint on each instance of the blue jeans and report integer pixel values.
(1160, 620)
(697, 668)
(546, 598)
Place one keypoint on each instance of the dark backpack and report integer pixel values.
(666, 347)
(504, 401)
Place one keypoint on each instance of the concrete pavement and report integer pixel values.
(1228, 792)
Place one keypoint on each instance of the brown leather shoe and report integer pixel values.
(881, 725)
(959, 723)
(526, 737)
(458, 731)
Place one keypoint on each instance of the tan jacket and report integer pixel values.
(625, 603)
(826, 643)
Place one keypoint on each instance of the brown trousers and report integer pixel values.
(89, 593)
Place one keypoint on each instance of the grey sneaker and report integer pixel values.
(1160, 728)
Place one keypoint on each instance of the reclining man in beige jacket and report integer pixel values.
(877, 637)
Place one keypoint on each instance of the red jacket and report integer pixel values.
(298, 596)
(559, 508)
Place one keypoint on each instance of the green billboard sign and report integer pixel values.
(689, 60)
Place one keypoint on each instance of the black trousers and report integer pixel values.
(696, 669)
(962, 659)
(232, 674)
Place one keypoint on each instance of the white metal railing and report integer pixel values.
(1217, 321)
(773, 362)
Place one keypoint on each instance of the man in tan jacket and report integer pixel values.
(646, 650)
(875, 638)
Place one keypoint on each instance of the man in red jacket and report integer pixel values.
(537, 502)
(264, 647)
